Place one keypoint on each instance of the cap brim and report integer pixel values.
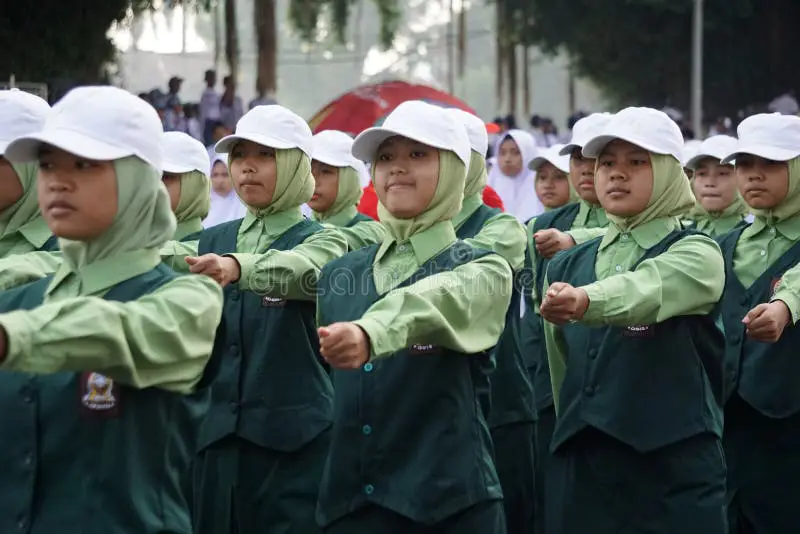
(177, 168)
(26, 148)
(537, 162)
(567, 149)
(225, 144)
(333, 160)
(595, 146)
(763, 151)
(695, 160)
(367, 142)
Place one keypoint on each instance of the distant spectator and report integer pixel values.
(786, 104)
(511, 122)
(262, 98)
(173, 110)
(218, 131)
(191, 123)
(230, 105)
(209, 106)
(723, 126)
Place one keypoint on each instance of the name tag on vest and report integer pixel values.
(639, 330)
(272, 302)
(99, 394)
(426, 350)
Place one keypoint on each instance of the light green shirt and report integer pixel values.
(361, 234)
(688, 279)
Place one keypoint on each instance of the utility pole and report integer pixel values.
(697, 69)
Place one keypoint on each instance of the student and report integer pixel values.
(635, 353)
(337, 189)
(512, 415)
(512, 179)
(552, 177)
(22, 228)
(96, 360)
(265, 439)
(411, 334)
(762, 412)
(186, 179)
(548, 233)
(719, 207)
(225, 203)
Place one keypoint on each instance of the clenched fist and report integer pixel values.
(563, 303)
(550, 241)
(766, 322)
(344, 345)
(223, 269)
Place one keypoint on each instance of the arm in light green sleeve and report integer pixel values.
(462, 310)
(291, 274)
(556, 354)
(174, 254)
(163, 339)
(21, 269)
(788, 291)
(582, 235)
(363, 234)
(687, 279)
(504, 235)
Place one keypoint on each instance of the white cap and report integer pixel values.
(716, 147)
(648, 128)
(690, 149)
(183, 153)
(21, 113)
(273, 126)
(334, 148)
(553, 155)
(102, 123)
(768, 135)
(476, 129)
(584, 130)
(422, 122)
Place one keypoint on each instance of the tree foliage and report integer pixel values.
(639, 51)
(305, 15)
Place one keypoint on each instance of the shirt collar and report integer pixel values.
(425, 244)
(586, 211)
(274, 224)
(789, 228)
(468, 207)
(36, 232)
(343, 217)
(96, 278)
(646, 236)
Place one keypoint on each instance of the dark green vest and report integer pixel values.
(360, 217)
(80, 457)
(409, 432)
(645, 385)
(765, 375)
(512, 398)
(272, 388)
(531, 329)
(51, 245)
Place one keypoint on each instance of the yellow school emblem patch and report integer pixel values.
(99, 393)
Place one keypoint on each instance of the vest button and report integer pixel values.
(235, 294)
(589, 391)
(367, 367)
(736, 339)
(593, 353)
(366, 430)
(368, 489)
(234, 406)
(743, 300)
(234, 350)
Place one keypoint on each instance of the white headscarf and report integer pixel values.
(223, 208)
(518, 193)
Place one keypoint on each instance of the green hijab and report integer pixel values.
(671, 197)
(193, 204)
(294, 183)
(446, 202)
(144, 221)
(23, 215)
(347, 195)
(476, 175)
(790, 206)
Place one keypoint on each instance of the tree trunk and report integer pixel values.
(231, 38)
(526, 82)
(462, 40)
(511, 59)
(267, 43)
(500, 57)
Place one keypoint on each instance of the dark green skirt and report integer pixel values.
(763, 470)
(544, 435)
(602, 486)
(241, 488)
(514, 461)
(483, 518)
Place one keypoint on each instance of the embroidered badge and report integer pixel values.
(639, 330)
(424, 349)
(99, 393)
(272, 302)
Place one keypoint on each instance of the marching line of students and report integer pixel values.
(622, 362)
